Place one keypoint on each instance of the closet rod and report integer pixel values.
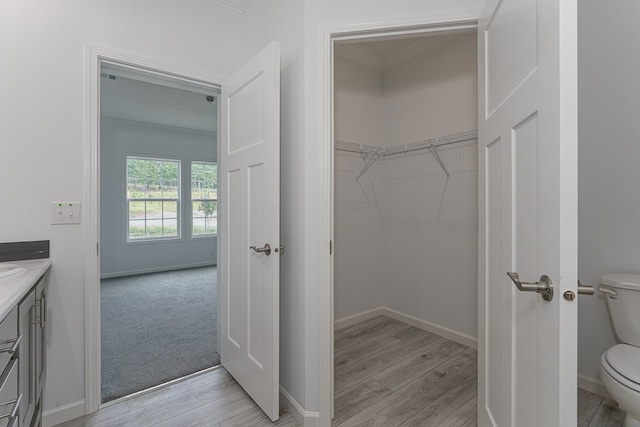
(353, 147)
(401, 150)
(378, 153)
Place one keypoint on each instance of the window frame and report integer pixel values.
(192, 200)
(127, 201)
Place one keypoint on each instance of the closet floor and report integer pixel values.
(388, 373)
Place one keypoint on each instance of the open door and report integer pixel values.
(527, 212)
(250, 230)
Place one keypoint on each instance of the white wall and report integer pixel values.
(121, 138)
(358, 242)
(609, 176)
(41, 115)
(406, 237)
(430, 222)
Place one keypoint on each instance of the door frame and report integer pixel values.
(325, 221)
(94, 56)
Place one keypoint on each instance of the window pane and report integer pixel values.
(204, 180)
(137, 209)
(170, 209)
(136, 229)
(204, 194)
(205, 217)
(170, 227)
(154, 210)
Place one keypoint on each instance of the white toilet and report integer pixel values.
(620, 365)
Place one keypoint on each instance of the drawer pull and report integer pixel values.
(42, 305)
(14, 347)
(14, 411)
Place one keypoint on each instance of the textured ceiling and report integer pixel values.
(130, 99)
(385, 53)
(239, 6)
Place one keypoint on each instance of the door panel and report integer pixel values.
(528, 211)
(250, 203)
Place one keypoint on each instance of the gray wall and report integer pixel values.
(118, 139)
(609, 155)
(359, 254)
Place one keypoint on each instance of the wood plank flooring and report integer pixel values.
(212, 399)
(387, 373)
(428, 381)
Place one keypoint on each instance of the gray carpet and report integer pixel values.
(157, 327)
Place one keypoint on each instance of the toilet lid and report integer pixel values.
(625, 359)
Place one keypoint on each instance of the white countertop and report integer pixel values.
(14, 288)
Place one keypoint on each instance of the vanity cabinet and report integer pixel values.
(32, 321)
(10, 341)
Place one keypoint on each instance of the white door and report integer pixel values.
(250, 216)
(527, 212)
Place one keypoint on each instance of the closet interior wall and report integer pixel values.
(405, 235)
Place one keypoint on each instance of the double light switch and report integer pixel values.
(65, 213)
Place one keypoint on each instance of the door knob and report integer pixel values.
(266, 249)
(544, 286)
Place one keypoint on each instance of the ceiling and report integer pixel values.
(385, 53)
(239, 6)
(142, 101)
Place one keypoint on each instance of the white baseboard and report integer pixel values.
(156, 270)
(345, 322)
(593, 385)
(450, 334)
(62, 414)
(304, 418)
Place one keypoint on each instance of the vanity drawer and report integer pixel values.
(9, 340)
(9, 400)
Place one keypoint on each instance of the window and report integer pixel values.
(153, 198)
(204, 198)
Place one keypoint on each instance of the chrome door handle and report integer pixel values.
(585, 289)
(544, 287)
(266, 249)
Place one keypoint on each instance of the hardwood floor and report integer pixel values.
(213, 399)
(391, 374)
(387, 373)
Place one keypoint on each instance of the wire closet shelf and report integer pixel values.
(372, 153)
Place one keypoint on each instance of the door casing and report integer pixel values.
(95, 56)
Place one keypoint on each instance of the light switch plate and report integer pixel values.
(65, 213)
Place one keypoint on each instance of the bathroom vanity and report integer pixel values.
(23, 319)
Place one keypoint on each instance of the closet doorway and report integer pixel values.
(158, 229)
(405, 219)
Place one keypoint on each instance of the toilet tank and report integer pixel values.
(624, 305)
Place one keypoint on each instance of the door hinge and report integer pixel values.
(330, 247)
(98, 249)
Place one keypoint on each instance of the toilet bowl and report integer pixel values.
(620, 374)
(620, 365)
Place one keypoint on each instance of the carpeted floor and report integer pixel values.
(157, 327)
